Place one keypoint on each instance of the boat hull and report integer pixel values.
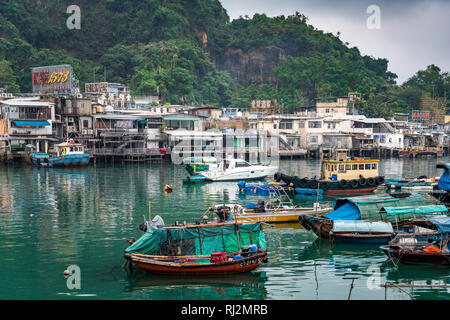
(219, 268)
(280, 216)
(254, 174)
(63, 161)
(363, 238)
(417, 257)
(335, 187)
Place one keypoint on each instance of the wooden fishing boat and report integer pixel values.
(416, 255)
(201, 248)
(443, 188)
(360, 231)
(400, 209)
(278, 209)
(198, 265)
(408, 249)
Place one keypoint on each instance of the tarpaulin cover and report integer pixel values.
(19, 123)
(442, 223)
(420, 210)
(369, 207)
(348, 211)
(444, 181)
(362, 226)
(200, 240)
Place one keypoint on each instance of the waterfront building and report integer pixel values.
(27, 122)
(109, 94)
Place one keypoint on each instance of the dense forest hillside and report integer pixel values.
(190, 52)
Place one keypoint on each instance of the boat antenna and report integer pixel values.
(316, 205)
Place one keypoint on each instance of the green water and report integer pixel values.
(53, 218)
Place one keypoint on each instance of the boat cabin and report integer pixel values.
(345, 167)
(230, 164)
(69, 147)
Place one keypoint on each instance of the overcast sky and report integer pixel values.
(412, 35)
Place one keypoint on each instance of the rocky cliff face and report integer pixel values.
(252, 67)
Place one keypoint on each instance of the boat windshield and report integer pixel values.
(241, 164)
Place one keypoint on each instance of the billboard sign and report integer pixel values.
(98, 87)
(420, 115)
(56, 80)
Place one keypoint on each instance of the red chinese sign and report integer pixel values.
(420, 115)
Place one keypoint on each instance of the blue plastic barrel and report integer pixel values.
(237, 257)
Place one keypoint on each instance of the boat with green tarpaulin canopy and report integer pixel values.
(200, 249)
(396, 208)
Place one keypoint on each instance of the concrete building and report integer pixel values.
(27, 122)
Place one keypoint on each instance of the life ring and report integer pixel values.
(354, 183)
(362, 181)
(380, 180)
(313, 184)
(303, 183)
(324, 185)
(371, 182)
(343, 183)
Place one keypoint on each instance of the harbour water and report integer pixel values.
(51, 218)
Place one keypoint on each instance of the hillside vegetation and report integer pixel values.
(188, 51)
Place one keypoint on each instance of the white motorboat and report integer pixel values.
(237, 169)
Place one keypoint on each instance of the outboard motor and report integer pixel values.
(223, 212)
(260, 207)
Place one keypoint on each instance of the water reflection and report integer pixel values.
(54, 217)
(241, 286)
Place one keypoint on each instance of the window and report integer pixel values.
(274, 126)
(361, 167)
(286, 124)
(374, 166)
(241, 164)
(348, 167)
(341, 167)
(368, 166)
(301, 125)
(314, 124)
(85, 123)
(355, 167)
(313, 139)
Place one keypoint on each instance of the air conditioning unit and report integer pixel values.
(84, 132)
(80, 96)
(70, 119)
(90, 131)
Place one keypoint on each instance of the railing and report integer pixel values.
(124, 151)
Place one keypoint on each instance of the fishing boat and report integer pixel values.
(66, 154)
(360, 231)
(442, 193)
(408, 250)
(341, 175)
(194, 179)
(220, 248)
(237, 169)
(198, 164)
(263, 189)
(400, 209)
(414, 184)
(278, 209)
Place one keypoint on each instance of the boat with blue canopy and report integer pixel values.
(399, 209)
(443, 187)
